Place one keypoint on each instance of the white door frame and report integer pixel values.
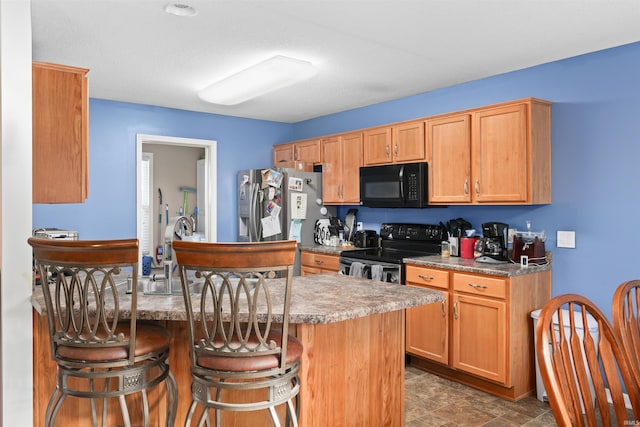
(210, 149)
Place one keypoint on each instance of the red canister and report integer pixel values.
(467, 245)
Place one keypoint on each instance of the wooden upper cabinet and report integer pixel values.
(511, 153)
(60, 133)
(399, 143)
(499, 154)
(305, 151)
(449, 142)
(342, 158)
(282, 153)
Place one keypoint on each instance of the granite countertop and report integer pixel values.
(471, 266)
(316, 299)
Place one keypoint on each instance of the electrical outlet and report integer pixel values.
(359, 225)
(566, 239)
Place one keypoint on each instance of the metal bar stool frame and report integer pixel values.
(90, 344)
(234, 345)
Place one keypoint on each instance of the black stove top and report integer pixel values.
(400, 241)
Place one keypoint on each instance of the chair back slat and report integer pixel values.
(580, 360)
(80, 281)
(245, 289)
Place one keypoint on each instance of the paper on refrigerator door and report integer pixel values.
(295, 230)
(270, 226)
(298, 205)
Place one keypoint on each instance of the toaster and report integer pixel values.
(365, 239)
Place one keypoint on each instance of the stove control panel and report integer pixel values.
(424, 232)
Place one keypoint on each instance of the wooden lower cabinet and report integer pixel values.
(483, 335)
(315, 263)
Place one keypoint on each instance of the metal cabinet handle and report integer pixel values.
(396, 149)
(477, 187)
(455, 310)
(427, 278)
(386, 149)
(466, 186)
(444, 313)
(476, 286)
(319, 261)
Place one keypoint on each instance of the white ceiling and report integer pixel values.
(366, 51)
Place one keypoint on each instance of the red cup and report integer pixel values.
(467, 246)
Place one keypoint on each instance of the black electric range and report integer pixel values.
(397, 241)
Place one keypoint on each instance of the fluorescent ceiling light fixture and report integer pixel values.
(267, 76)
(180, 9)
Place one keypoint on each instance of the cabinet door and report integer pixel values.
(331, 170)
(351, 163)
(427, 330)
(307, 151)
(449, 142)
(499, 153)
(60, 134)
(377, 146)
(408, 142)
(282, 153)
(480, 337)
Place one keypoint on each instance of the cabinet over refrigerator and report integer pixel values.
(280, 204)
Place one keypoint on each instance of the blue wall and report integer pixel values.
(596, 108)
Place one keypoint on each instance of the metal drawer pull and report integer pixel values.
(319, 261)
(455, 310)
(423, 277)
(444, 313)
(473, 285)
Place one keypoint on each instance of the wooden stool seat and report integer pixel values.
(149, 339)
(240, 364)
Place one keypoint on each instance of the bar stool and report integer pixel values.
(98, 354)
(237, 352)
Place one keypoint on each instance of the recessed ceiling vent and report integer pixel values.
(180, 9)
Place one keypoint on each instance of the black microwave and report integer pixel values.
(394, 186)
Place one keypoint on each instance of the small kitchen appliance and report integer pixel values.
(365, 239)
(529, 244)
(492, 247)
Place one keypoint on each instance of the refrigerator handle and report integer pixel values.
(255, 213)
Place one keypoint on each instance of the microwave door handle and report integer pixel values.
(401, 178)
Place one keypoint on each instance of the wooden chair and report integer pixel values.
(98, 354)
(626, 322)
(239, 361)
(579, 364)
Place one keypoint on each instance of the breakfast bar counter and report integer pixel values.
(352, 369)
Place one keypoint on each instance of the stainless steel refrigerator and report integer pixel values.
(280, 204)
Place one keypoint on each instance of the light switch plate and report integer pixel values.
(566, 239)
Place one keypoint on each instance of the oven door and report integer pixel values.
(372, 270)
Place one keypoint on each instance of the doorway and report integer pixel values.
(146, 201)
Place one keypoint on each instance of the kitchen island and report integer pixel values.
(352, 368)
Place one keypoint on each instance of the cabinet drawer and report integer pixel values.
(418, 276)
(326, 262)
(480, 285)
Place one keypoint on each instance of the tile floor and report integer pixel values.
(434, 401)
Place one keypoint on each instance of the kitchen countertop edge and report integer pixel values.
(470, 266)
(316, 299)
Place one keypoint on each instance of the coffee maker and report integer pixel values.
(492, 246)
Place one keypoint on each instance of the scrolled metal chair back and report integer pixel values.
(238, 301)
(80, 288)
